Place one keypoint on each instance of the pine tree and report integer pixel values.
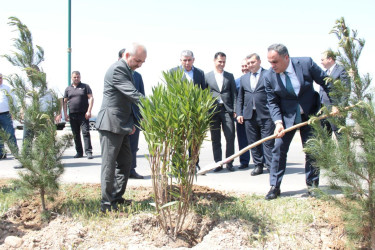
(36, 106)
(349, 161)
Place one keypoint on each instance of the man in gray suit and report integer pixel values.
(115, 122)
(252, 111)
(222, 86)
(335, 71)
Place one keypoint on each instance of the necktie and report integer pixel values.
(290, 89)
(253, 85)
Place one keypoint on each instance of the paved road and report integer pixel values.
(88, 171)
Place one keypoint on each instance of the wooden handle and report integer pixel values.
(206, 169)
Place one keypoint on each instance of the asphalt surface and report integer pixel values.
(83, 170)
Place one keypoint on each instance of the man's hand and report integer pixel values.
(279, 130)
(88, 115)
(234, 115)
(133, 131)
(335, 111)
(66, 118)
(240, 119)
(58, 118)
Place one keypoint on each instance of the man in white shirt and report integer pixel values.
(222, 86)
(5, 118)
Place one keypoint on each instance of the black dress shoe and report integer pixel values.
(78, 156)
(257, 171)
(135, 175)
(108, 208)
(124, 202)
(19, 166)
(230, 167)
(243, 166)
(218, 169)
(89, 156)
(273, 193)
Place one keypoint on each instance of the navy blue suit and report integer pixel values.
(257, 118)
(134, 138)
(283, 106)
(241, 134)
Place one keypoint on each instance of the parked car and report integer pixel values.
(19, 125)
(92, 122)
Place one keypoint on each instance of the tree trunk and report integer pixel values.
(42, 194)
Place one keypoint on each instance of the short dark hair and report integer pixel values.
(279, 48)
(76, 73)
(219, 54)
(121, 52)
(253, 54)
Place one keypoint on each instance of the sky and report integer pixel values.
(237, 28)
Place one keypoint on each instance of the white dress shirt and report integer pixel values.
(189, 74)
(219, 77)
(293, 78)
(4, 102)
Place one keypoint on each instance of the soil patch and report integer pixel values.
(142, 231)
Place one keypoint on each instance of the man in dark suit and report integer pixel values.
(335, 71)
(291, 100)
(240, 127)
(115, 122)
(252, 110)
(190, 72)
(222, 87)
(134, 138)
(193, 74)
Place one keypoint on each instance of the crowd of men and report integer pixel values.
(258, 104)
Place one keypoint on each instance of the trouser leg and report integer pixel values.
(75, 124)
(134, 140)
(116, 164)
(229, 133)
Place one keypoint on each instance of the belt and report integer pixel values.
(4, 113)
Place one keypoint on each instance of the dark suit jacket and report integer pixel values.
(228, 92)
(138, 83)
(338, 72)
(283, 105)
(247, 96)
(198, 76)
(119, 93)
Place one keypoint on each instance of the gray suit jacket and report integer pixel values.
(228, 93)
(247, 97)
(119, 93)
(338, 72)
